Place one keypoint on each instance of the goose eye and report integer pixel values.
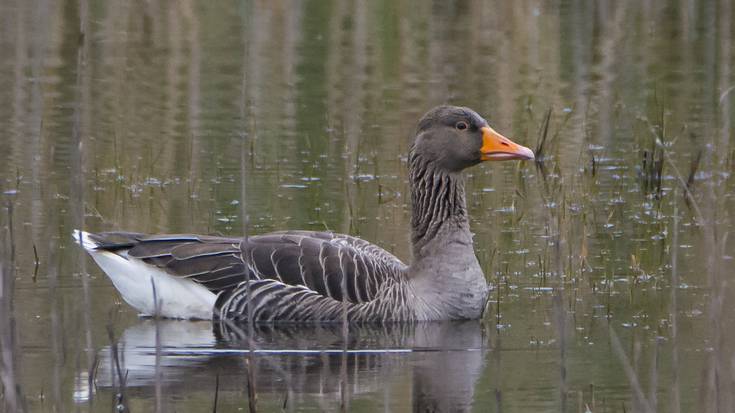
(461, 125)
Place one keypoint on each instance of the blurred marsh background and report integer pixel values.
(611, 259)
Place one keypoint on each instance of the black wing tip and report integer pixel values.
(108, 241)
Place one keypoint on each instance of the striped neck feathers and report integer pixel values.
(437, 197)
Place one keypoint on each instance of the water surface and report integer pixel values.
(610, 260)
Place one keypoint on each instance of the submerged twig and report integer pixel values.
(216, 393)
(36, 262)
(120, 399)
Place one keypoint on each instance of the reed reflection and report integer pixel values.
(441, 362)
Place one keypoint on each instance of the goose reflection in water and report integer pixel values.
(434, 364)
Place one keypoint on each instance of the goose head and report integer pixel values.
(453, 138)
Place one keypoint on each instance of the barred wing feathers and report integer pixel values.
(305, 266)
(321, 261)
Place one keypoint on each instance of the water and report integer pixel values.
(150, 120)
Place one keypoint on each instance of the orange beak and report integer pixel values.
(496, 147)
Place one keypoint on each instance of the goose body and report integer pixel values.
(307, 276)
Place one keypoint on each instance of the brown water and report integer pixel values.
(150, 120)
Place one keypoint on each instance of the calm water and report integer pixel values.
(611, 261)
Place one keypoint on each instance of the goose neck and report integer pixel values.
(438, 204)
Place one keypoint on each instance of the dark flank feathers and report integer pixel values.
(286, 269)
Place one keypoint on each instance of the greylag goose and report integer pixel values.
(308, 276)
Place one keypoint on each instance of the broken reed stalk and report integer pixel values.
(640, 398)
(693, 169)
(497, 304)
(699, 217)
(692, 174)
(544, 141)
(11, 396)
(343, 357)
(36, 262)
(120, 399)
(543, 135)
(250, 123)
(55, 315)
(230, 329)
(92, 376)
(675, 406)
(157, 320)
(252, 395)
(344, 401)
(560, 324)
(216, 393)
(11, 235)
(652, 167)
(653, 385)
(81, 100)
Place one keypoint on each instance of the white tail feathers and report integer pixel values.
(82, 238)
(134, 279)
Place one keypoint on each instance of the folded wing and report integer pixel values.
(331, 265)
